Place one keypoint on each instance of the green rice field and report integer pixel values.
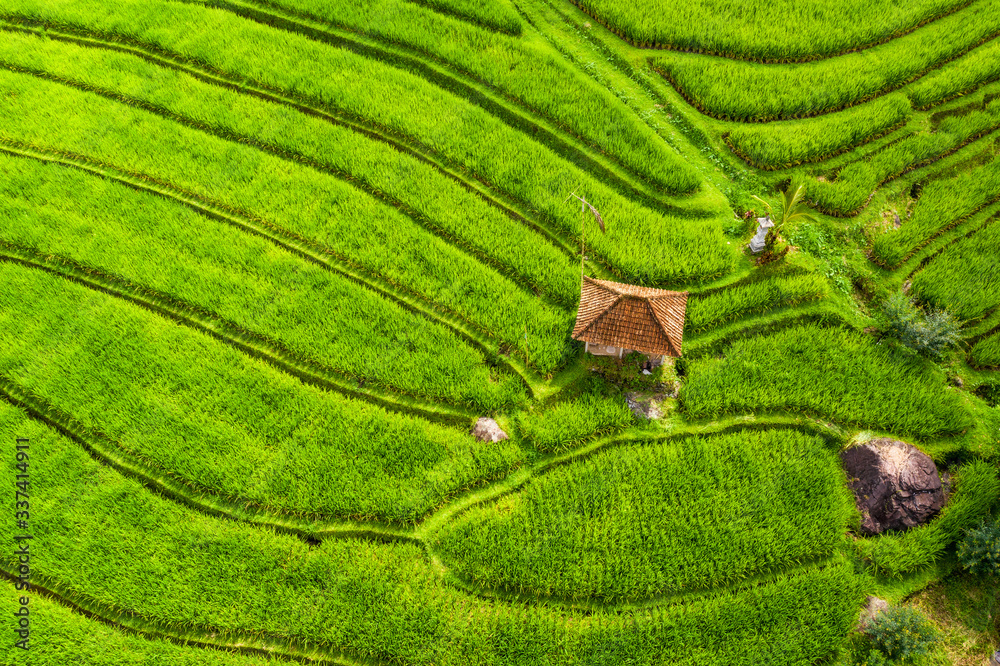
(264, 264)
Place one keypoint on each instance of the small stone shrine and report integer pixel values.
(757, 242)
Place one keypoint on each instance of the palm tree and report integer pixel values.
(792, 207)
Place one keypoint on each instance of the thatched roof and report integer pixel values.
(623, 315)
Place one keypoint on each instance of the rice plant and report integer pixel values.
(243, 279)
(161, 566)
(747, 91)
(642, 244)
(837, 373)
(339, 216)
(571, 422)
(493, 14)
(223, 422)
(784, 144)
(73, 638)
(531, 72)
(959, 77)
(965, 277)
(771, 31)
(754, 297)
(650, 520)
(943, 203)
(856, 182)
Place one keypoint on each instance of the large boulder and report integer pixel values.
(487, 430)
(896, 486)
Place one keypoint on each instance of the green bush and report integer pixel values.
(626, 372)
(873, 658)
(929, 334)
(979, 551)
(901, 634)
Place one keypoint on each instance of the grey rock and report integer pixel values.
(645, 405)
(487, 430)
(896, 487)
(873, 606)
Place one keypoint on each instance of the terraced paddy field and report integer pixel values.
(264, 263)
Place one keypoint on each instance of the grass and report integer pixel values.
(658, 519)
(965, 277)
(159, 391)
(243, 279)
(855, 183)
(837, 373)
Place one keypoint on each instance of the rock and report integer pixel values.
(487, 430)
(645, 405)
(895, 485)
(873, 606)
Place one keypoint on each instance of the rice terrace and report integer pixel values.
(488, 332)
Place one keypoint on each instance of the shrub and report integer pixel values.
(979, 551)
(873, 658)
(901, 634)
(928, 334)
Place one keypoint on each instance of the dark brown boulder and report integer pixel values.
(896, 486)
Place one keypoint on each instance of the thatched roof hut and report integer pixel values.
(616, 318)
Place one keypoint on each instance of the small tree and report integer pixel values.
(979, 551)
(928, 334)
(900, 634)
(792, 207)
